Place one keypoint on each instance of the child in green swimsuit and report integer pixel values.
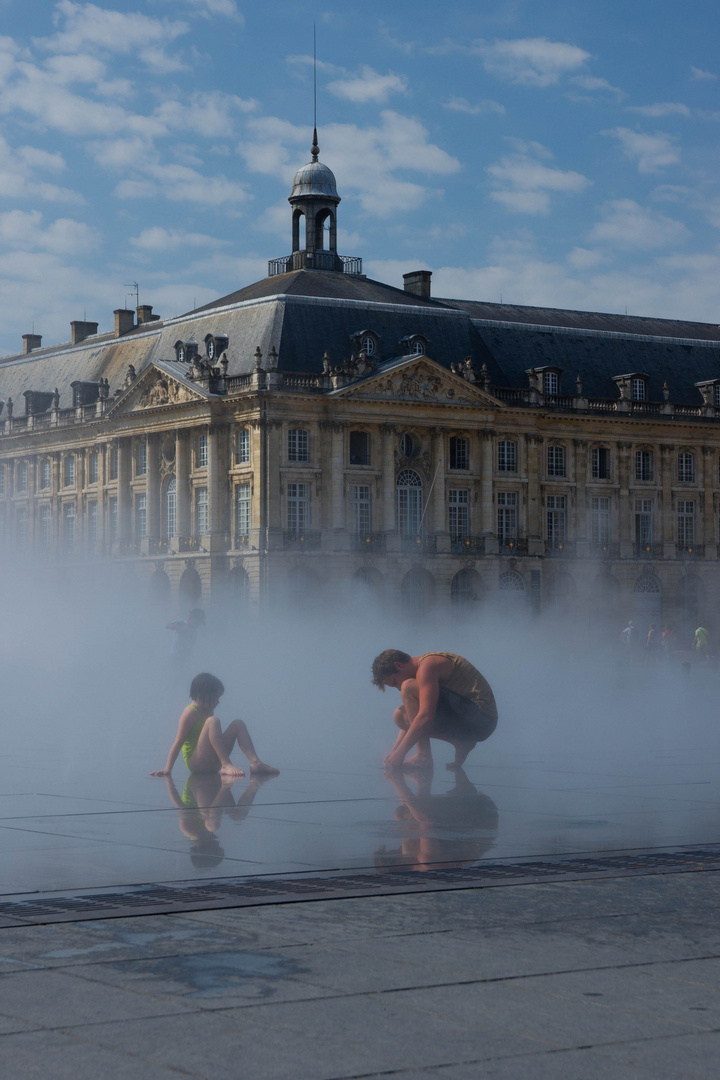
(205, 746)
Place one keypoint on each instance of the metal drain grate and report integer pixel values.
(249, 892)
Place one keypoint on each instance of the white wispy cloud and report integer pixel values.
(661, 108)
(25, 231)
(531, 61)
(523, 183)
(627, 225)
(228, 8)
(474, 108)
(19, 179)
(89, 27)
(368, 86)
(595, 85)
(698, 73)
(652, 152)
(158, 239)
(210, 114)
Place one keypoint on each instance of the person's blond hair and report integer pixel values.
(384, 665)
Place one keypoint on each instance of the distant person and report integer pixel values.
(184, 636)
(205, 747)
(443, 697)
(668, 641)
(630, 639)
(652, 645)
(701, 642)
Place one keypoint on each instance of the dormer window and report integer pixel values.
(418, 347)
(185, 351)
(551, 382)
(716, 395)
(366, 341)
(215, 346)
(639, 388)
(368, 345)
(413, 345)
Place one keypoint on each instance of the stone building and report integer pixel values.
(318, 433)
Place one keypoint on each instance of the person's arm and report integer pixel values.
(427, 677)
(187, 720)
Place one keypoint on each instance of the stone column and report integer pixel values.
(334, 470)
(625, 510)
(706, 504)
(388, 488)
(275, 490)
(124, 495)
(487, 515)
(182, 485)
(536, 544)
(580, 523)
(436, 515)
(665, 510)
(153, 508)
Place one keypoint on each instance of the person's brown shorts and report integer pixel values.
(457, 717)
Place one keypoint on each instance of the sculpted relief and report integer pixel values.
(418, 385)
(164, 392)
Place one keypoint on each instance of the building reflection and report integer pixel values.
(205, 799)
(452, 829)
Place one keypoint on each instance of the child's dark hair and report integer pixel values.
(205, 686)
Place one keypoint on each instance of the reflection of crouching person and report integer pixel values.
(443, 697)
(205, 746)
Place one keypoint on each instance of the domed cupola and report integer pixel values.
(314, 197)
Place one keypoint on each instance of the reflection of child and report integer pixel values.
(206, 748)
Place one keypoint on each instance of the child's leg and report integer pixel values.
(242, 736)
(212, 753)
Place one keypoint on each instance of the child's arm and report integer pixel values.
(187, 720)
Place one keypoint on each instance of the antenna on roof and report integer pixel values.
(314, 149)
(133, 285)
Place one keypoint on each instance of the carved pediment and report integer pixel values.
(420, 379)
(156, 388)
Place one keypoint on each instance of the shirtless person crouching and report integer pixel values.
(443, 697)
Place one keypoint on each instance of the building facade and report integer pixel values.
(318, 436)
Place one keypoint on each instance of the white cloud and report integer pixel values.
(661, 108)
(86, 26)
(159, 239)
(531, 61)
(523, 183)
(18, 175)
(228, 8)
(24, 231)
(368, 86)
(180, 183)
(209, 114)
(651, 152)
(476, 108)
(594, 84)
(629, 226)
(398, 144)
(698, 73)
(584, 258)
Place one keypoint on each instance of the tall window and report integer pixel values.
(361, 510)
(359, 448)
(600, 521)
(409, 504)
(92, 521)
(21, 518)
(22, 477)
(298, 506)
(171, 508)
(408, 445)
(141, 516)
(639, 390)
(92, 469)
(600, 463)
(298, 445)
(459, 453)
(113, 463)
(643, 465)
(556, 520)
(69, 471)
(459, 515)
(507, 456)
(113, 518)
(45, 532)
(68, 520)
(551, 382)
(686, 524)
(141, 459)
(556, 460)
(643, 523)
(686, 468)
(201, 458)
(242, 512)
(507, 516)
(201, 511)
(243, 446)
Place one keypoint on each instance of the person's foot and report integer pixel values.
(261, 769)
(461, 752)
(418, 761)
(231, 770)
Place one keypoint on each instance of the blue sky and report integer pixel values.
(556, 153)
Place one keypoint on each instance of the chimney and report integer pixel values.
(30, 342)
(418, 283)
(145, 315)
(80, 330)
(124, 321)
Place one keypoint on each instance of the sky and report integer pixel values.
(558, 153)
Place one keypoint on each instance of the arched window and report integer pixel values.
(368, 345)
(511, 581)
(160, 586)
(368, 584)
(417, 591)
(238, 587)
(512, 594)
(647, 600)
(465, 587)
(171, 508)
(417, 347)
(647, 583)
(409, 504)
(190, 585)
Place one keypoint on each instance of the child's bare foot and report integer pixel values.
(418, 761)
(261, 769)
(231, 770)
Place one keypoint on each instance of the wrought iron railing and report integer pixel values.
(608, 550)
(368, 542)
(426, 545)
(690, 551)
(648, 551)
(511, 545)
(302, 541)
(560, 548)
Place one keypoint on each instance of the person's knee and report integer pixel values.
(400, 717)
(240, 728)
(409, 690)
